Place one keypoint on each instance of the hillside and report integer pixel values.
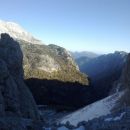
(50, 62)
(43, 61)
(82, 61)
(103, 71)
(18, 108)
(95, 110)
(116, 101)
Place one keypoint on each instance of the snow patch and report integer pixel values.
(95, 110)
(17, 32)
(108, 119)
(117, 118)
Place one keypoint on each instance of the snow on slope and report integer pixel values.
(17, 32)
(116, 118)
(95, 110)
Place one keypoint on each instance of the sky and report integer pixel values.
(101, 26)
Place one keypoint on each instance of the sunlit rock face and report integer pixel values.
(64, 54)
(17, 32)
(50, 62)
(15, 98)
(43, 61)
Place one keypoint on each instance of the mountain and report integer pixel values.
(117, 100)
(124, 80)
(100, 108)
(17, 32)
(50, 72)
(43, 61)
(81, 58)
(50, 62)
(87, 54)
(17, 105)
(82, 61)
(103, 71)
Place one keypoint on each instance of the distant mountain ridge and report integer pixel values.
(87, 54)
(103, 70)
(103, 62)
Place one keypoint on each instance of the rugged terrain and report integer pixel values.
(103, 71)
(117, 100)
(49, 70)
(16, 101)
(54, 79)
(43, 61)
(50, 62)
(17, 32)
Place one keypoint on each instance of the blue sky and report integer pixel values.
(78, 25)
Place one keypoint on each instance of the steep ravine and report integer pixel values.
(116, 101)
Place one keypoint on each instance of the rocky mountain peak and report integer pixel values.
(17, 32)
(40, 60)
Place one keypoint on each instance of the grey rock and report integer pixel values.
(62, 52)
(40, 60)
(125, 79)
(15, 98)
(50, 62)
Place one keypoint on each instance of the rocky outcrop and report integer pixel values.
(43, 61)
(50, 62)
(124, 81)
(15, 98)
(66, 55)
(125, 78)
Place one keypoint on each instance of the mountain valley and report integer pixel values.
(47, 87)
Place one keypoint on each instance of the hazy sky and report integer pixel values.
(91, 25)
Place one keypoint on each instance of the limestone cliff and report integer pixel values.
(15, 98)
(50, 62)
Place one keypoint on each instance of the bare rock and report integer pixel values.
(15, 98)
